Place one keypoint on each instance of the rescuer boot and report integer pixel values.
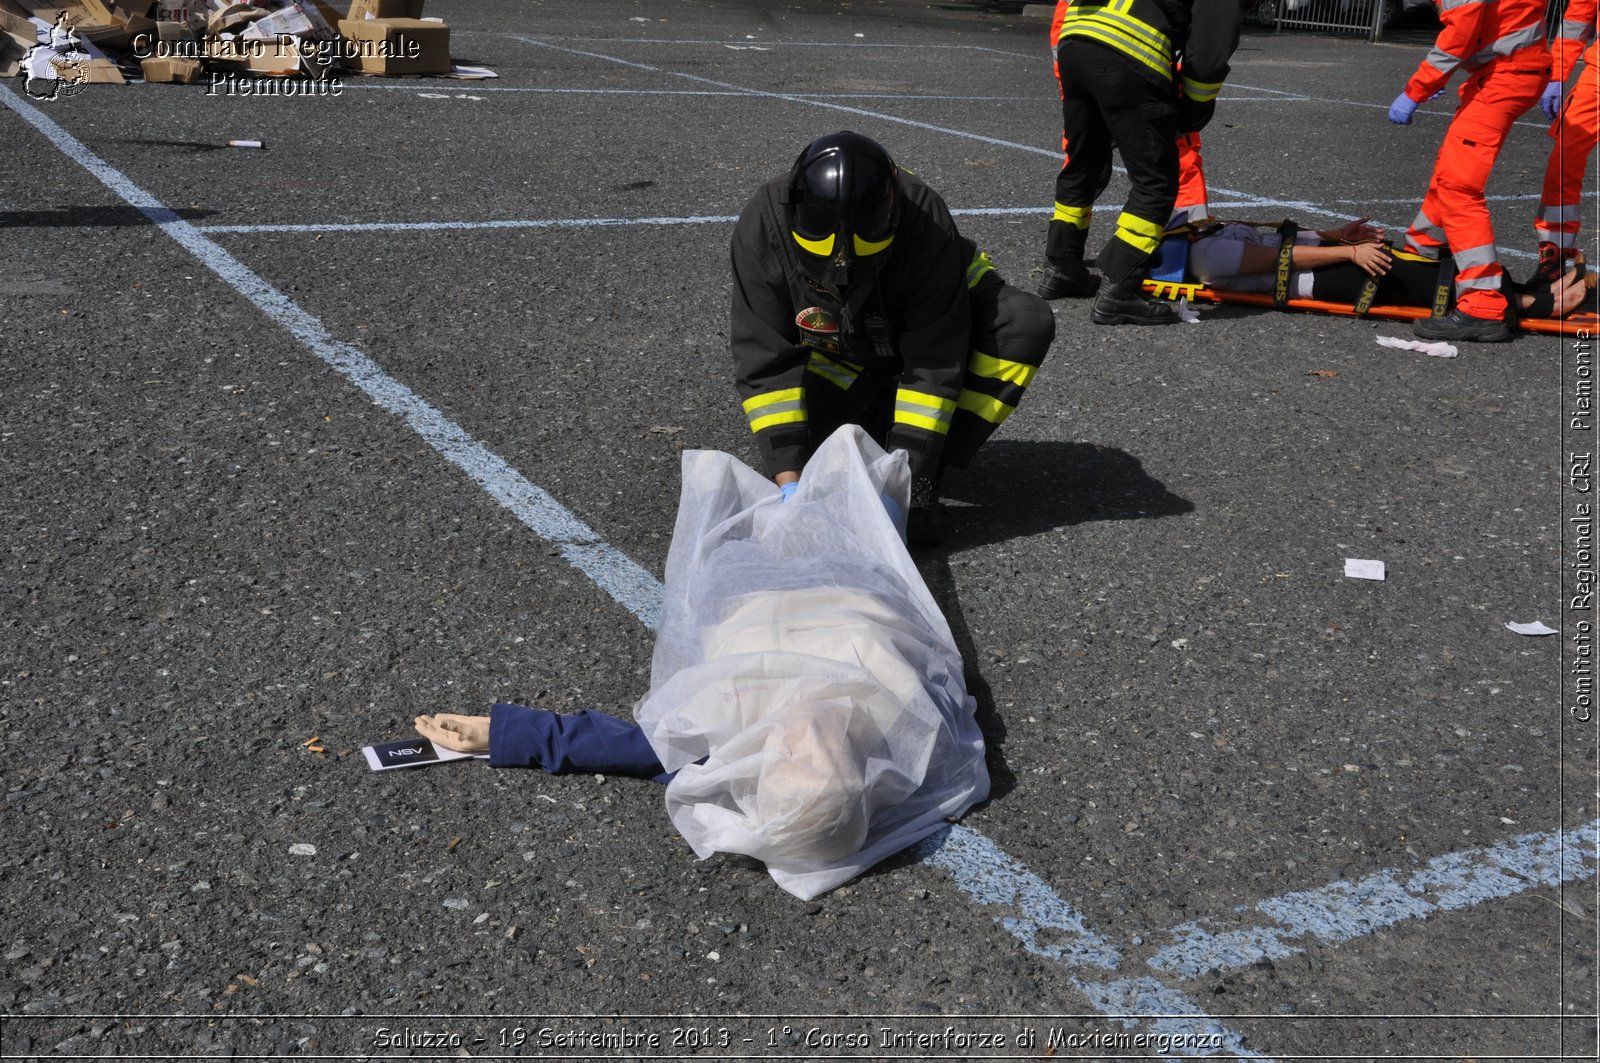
(1125, 303)
(1457, 325)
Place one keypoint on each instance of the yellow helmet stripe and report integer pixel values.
(869, 247)
(823, 247)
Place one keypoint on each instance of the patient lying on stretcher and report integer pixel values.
(1333, 266)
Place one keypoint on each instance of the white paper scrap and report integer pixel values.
(1437, 350)
(1185, 314)
(1362, 568)
(1533, 627)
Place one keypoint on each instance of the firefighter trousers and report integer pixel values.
(1011, 332)
(1106, 103)
(1453, 212)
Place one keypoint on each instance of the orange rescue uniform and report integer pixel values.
(1501, 44)
(1575, 130)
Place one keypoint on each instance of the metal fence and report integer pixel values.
(1368, 18)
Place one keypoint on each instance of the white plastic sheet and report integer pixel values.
(805, 686)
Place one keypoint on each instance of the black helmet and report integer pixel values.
(843, 204)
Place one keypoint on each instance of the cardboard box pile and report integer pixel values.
(176, 41)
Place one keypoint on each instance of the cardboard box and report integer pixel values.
(233, 18)
(396, 46)
(171, 70)
(373, 9)
(18, 27)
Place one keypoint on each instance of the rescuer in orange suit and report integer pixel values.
(1192, 204)
(1575, 129)
(1501, 44)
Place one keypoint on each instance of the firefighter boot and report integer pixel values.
(1125, 303)
(1065, 275)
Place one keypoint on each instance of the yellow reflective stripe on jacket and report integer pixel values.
(775, 407)
(839, 374)
(979, 265)
(990, 409)
(1142, 234)
(921, 410)
(986, 365)
(1201, 91)
(1078, 217)
(1114, 27)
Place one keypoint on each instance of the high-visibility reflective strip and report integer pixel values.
(870, 247)
(1564, 213)
(840, 374)
(775, 407)
(1482, 255)
(979, 265)
(823, 247)
(1422, 225)
(986, 365)
(1120, 13)
(1142, 234)
(1580, 30)
(1075, 216)
(990, 409)
(1451, 5)
(1559, 238)
(1201, 91)
(1515, 41)
(1441, 60)
(1129, 36)
(921, 410)
(1490, 282)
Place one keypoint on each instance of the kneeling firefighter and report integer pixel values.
(857, 301)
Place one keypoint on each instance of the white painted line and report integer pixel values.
(1421, 112)
(610, 569)
(447, 226)
(700, 219)
(1345, 910)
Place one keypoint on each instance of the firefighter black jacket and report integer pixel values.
(906, 325)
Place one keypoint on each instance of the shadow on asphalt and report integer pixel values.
(1016, 488)
(86, 217)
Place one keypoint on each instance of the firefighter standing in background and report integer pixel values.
(857, 301)
(1192, 205)
(1502, 43)
(1575, 129)
(1120, 86)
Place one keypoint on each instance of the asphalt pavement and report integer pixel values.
(386, 419)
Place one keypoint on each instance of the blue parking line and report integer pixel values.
(1345, 910)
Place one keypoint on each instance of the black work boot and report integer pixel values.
(1552, 263)
(1125, 303)
(1458, 325)
(1072, 281)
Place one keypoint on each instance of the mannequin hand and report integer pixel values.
(465, 734)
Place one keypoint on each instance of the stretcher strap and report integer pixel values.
(1369, 292)
(1444, 287)
(1280, 291)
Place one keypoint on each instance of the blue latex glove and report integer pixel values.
(1550, 102)
(1403, 107)
(788, 489)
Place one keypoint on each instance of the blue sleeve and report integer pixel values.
(587, 741)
